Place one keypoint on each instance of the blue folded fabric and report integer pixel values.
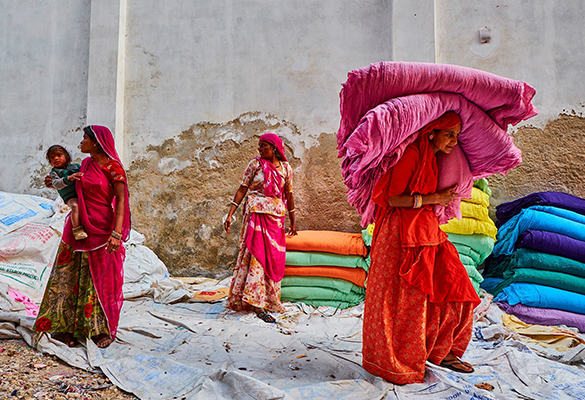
(545, 218)
(489, 284)
(534, 295)
(506, 211)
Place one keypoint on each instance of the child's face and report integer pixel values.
(58, 159)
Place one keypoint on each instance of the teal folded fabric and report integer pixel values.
(321, 281)
(482, 184)
(479, 247)
(307, 258)
(553, 279)
(528, 258)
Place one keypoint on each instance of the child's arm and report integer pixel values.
(60, 182)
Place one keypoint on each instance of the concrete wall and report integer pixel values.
(188, 87)
(537, 42)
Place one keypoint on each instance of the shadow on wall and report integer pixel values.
(180, 191)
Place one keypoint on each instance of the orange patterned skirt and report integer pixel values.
(402, 328)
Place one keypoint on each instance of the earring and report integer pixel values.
(431, 137)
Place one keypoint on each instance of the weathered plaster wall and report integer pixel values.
(43, 85)
(537, 42)
(181, 190)
(552, 159)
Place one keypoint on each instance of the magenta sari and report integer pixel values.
(264, 235)
(96, 211)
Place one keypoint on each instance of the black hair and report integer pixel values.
(56, 147)
(276, 152)
(89, 132)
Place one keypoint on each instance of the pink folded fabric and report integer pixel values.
(506, 101)
(372, 135)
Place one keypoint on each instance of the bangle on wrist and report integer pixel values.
(234, 203)
(291, 211)
(417, 201)
(116, 235)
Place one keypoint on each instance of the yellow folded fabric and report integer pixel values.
(547, 336)
(479, 197)
(473, 210)
(470, 226)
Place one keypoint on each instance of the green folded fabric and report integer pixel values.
(308, 258)
(528, 258)
(479, 247)
(482, 184)
(474, 276)
(323, 282)
(320, 296)
(554, 279)
(467, 261)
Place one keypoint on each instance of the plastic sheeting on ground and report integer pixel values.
(170, 346)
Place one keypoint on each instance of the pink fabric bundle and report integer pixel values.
(383, 107)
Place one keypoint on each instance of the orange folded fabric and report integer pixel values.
(357, 276)
(328, 242)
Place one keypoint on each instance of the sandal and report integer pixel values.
(452, 365)
(264, 316)
(102, 341)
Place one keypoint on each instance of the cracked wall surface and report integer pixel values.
(180, 190)
(552, 160)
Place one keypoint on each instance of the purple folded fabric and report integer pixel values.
(544, 316)
(383, 107)
(567, 201)
(553, 243)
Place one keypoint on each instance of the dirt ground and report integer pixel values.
(27, 374)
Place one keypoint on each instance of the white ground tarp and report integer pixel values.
(169, 347)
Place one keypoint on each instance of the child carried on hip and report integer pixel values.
(62, 177)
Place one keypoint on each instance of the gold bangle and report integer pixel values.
(291, 211)
(116, 235)
(234, 203)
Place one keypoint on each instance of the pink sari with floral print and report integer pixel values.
(260, 265)
(96, 211)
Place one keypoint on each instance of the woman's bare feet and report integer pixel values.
(65, 337)
(102, 341)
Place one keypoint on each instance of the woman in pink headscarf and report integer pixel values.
(260, 265)
(84, 297)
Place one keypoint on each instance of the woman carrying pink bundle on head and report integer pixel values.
(261, 259)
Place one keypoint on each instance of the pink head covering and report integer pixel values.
(105, 138)
(274, 140)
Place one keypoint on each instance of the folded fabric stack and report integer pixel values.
(474, 234)
(537, 270)
(325, 268)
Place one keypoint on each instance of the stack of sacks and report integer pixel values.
(325, 268)
(537, 271)
(474, 234)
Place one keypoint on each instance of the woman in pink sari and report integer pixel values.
(261, 259)
(84, 297)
